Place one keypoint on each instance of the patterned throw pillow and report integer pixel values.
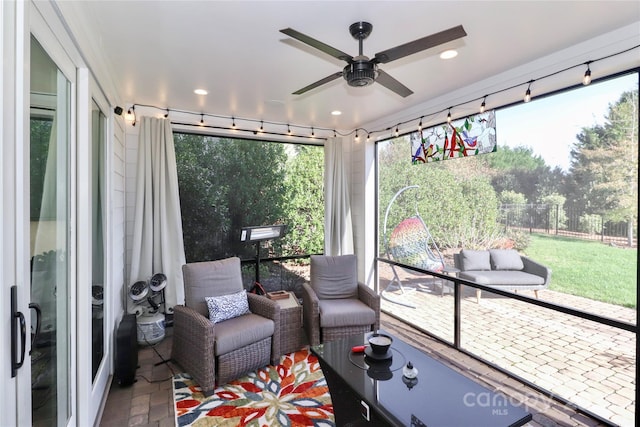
(227, 307)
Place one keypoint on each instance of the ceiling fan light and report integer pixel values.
(360, 73)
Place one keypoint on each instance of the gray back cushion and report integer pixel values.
(506, 259)
(334, 277)
(474, 260)
(210, 279)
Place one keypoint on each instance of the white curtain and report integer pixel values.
(338, 232)
(157, 232)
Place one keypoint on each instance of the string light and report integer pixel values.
(334, 133)
(131, 116)
(587, 75)
(133, 113)
(357, 137)
(166, 114)
(527, 95)
(261, 129)
(396, 132)
(368, 136)
(201, 119)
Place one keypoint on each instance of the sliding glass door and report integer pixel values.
(49, 218)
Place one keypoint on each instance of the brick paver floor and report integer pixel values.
(589, 364)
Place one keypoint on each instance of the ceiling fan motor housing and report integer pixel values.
(361, 72)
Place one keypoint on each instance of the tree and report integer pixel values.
(454, 198)
(226, 184)
(304, 207)
(519, 169)
(507, 158)
(605, 164)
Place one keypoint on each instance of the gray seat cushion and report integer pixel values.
(241, 331)
(345, 312)
(502, 278)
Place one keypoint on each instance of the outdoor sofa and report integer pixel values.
(502, 269)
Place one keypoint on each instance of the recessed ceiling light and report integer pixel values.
(336, 112)
(448, 54)
(200, 92)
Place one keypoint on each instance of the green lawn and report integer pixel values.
(587, 268)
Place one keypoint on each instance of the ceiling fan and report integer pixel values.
(362, 71)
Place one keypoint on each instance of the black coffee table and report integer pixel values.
(364, 389)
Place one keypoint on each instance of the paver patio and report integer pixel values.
(589, 364)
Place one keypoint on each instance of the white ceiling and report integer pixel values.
(160, 51)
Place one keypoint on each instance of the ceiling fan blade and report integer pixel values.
(392, 84)
(318, 45)
(419, 45)
(327, 79)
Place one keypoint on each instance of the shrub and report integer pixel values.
(590, 223)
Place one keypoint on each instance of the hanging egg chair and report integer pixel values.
(409, 243)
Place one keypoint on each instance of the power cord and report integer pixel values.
(163, 360)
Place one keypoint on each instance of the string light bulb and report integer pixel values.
(483, 105)
(334, 133)
(288, 130)
(233, 122)
(587, 76)
(368, 136)
(201, 119)
(420, 125)
(396, 132)
(166, 114)
(131, 115)
(527, 95)
(261, 128)
(357, 137)
(449, 116)
(313, 134)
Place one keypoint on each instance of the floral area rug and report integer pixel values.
(294, 393)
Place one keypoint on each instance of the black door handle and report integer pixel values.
(34, 335)
(15, 314)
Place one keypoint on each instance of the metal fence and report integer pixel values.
(552, 219)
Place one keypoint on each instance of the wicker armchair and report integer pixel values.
(335, 304)
(216, 353)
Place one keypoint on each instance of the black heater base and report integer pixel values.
(126, 351)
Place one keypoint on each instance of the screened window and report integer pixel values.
(227, 184)
(561, 189)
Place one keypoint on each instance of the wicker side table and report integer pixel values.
(290, 324)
